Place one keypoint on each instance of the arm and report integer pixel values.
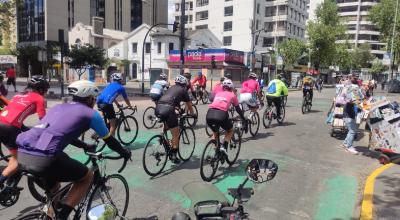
(41, 107)
(125, 96)
(79, 144)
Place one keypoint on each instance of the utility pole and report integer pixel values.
(61, 42)
(182, 37)
(391, 46)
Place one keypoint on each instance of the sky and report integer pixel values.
(313, 6)
(171, 8)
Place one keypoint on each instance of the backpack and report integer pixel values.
(272, 88)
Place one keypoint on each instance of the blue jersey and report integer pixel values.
(61, 125)
(110, 93)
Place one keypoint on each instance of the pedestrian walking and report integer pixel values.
(3, 90)
(11, 78)
(383, 84)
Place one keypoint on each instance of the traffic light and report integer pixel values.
(213, 64)
(175, 26)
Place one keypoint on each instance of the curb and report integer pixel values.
(367, 204)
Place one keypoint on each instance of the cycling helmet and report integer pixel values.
(181, 80)
(38, 83)
(187, 75)
(83, 89)
(253, 76)
(228, 75)
(163, 76)
(199, 73)
(279, 76)
(222, 79)
(116, 76)
(180, 216)
(227, 84)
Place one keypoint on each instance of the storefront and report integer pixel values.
(226, 61)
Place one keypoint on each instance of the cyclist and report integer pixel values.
(217, 88)
(275, 90)
(250, 91)
(159, 87)
(13, 116)
(308, 86)
(217, 114)
(109, 96)
(165, 110)
(41, 148)
(202, 82)
(261, 82)
(189, 84)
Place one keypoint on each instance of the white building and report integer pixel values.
(157, 47)
(359, 29)
(240, 24)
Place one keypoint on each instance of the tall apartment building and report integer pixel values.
(235, 22)
(38, 21)
(359, 29)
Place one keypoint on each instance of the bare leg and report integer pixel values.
(113, 126)
(79, 189)
(12, 166)
(175, 137)
(228, 135)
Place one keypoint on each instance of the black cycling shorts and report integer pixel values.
(60, 168)
(217, 118)
(8, 135)
(108, 111)
(167, 115)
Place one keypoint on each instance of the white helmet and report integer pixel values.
(227, 83)
(253, 75)
(83, 89)
(116, 76)
(181, 80)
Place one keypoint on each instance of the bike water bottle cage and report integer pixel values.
(210, 208)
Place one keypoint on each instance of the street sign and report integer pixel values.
(279, 60)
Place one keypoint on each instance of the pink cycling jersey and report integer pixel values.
(250, 86)
(21, 106)
(223, 100)
(217, 88)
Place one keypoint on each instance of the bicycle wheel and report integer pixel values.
(192, 121)
(209, 132)
(114, 190)
(154, 156)
(304, 106)
(254, 124)
(187, 143)
(92, 138)
(35, 215)
(149, 117)
(284, 100)
(209, 161)
(234, 147)
(127, 130)
(205, 97)
(4, 155)
(267, 117)
(37, 192)
(283, 114)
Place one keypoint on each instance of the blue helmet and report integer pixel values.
(199, 73)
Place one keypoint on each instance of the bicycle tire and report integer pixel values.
(32, 186)
(157, 155)
(184, 140)
(125, 125)
(205, 97)
(267, 120)
(35, 215)
(214, 160)
(192, 121)
(149, 116)
(209, 132)
(105, 190)
(283, 114)
(304, 106)
(2, 155)
(284, 101)
(254, 120)
(235, 144)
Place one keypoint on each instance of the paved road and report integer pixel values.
(316, 179)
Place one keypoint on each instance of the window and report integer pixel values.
(228, 26)
(228, 11)
(198, 27)
(228, 41)
(202, 15)
(200, 3)
(257, 24)
(268, 42)
(171, 46)
(258, 8)
(159, 47)
(134, 47)
(148, 47)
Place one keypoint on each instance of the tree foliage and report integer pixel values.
(324, 32)
(343, 58)
(291, 50)
(7, 16)
(377, 67)
(87, 54)
(361, 56)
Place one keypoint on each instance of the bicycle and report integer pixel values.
(158, 148)
(149, 117)
(212, 155)
(124, 123)
(4, 155)
(306, 104)
(200, 95)
(253, 120)
(100, 189)
(192, 121)
(270, 114)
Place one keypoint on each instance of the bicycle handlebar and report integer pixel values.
(99, 156)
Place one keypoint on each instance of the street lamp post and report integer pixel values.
(391, 46)
(253, 46)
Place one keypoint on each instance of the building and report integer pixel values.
(158, 45)
(359, 29)
(311, 7)
(246, 24)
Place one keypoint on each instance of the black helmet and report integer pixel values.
(180, 216)
(38, 83)
(222, 79)
(188, 75)
(228, 75)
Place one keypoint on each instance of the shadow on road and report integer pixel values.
(235, 170)
(25, 211)
(192, 164)
(258, 136)
(284, 124)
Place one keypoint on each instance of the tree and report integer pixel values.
(343, 57)
(28, 56)
(291, 50)
(81, 56)
(361, 56)
(324, 32)
(377, 67)
(7, 16)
